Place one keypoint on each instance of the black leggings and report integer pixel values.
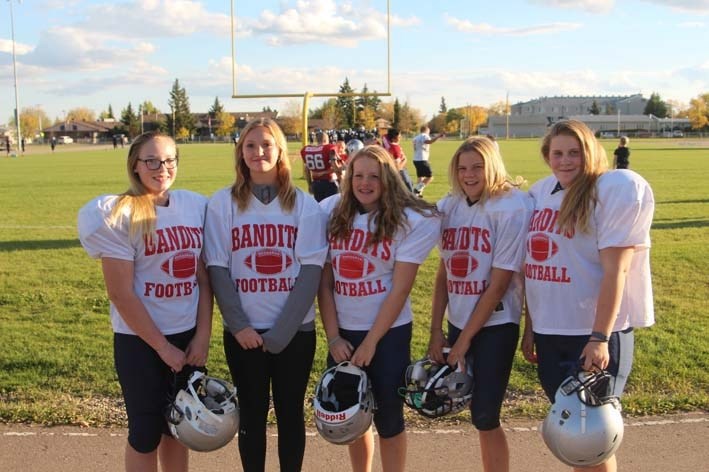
(255, 373)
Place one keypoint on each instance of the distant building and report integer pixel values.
(622, 114)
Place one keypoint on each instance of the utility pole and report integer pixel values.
(14, 69)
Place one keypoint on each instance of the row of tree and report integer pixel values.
(350, 110)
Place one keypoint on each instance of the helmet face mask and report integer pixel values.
(436, 390)
(205, 414)
(584, 426)
(343, 404)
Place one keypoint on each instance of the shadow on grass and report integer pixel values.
(674, 224)
(674, 202)
(7, 246)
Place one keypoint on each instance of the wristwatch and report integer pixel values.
(600, 336)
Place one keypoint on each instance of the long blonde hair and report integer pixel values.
(496, 179)
(241, 190)
(137, 199)
(581, 196)
(395, 198)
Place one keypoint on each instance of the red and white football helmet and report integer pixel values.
(584, 426)
(343, 403)
(435, 390)
(205, 414)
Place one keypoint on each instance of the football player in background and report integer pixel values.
(480, 285)
(587, 273)
(149, 240)
(379, 234)
(391, 144)
(323, 165)
(422, 152)
(265, 247)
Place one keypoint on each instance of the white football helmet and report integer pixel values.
(584, 426)
(205, 414)
(435, 390)
(343, 403)
(353, 146)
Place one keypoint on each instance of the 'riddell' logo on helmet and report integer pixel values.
(331, 416)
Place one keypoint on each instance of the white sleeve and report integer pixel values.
(624, 211)
(98, 237)
(311, 245)
(510, 235)
(217, 230)
(420, 238)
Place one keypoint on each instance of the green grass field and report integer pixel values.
(56, 363)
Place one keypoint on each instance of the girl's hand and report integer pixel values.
(340, 349)
(197, 351)
(172, 356)
(527, 346)
(364, 353)
(436, 343)
(248, 338)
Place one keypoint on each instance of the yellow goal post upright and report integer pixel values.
(306, 95)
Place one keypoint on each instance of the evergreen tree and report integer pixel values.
(216, 109)
(443, 108)
(594, 110)
(130, 120)
(346, 106)
(180, 122)
(110, 112)
(396, 121)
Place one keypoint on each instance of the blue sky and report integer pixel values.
(92, 53)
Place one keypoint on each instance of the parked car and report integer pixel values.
(607, 134)
(677, 134)
(65, 140)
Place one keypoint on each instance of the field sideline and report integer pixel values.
(56, 363)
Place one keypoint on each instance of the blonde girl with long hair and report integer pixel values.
(265, 246)
(149, 240)
(367, 317)
(485, 219)
(587, 272)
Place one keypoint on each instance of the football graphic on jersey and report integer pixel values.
(181, 265)
(541, 247)
(350, 265)
(268, 261)
(461, 263)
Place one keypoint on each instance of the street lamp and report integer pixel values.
(14, 69)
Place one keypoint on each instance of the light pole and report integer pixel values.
(14, 69)
(39, 118)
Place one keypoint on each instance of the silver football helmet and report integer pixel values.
(435, 390)
(584, 426)
(353, 146)
(343, 404)
(205, 414)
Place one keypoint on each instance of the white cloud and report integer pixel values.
(592, 6)
(693, 6)
(466, 26)
(20, 49)
(81, 51)
(154, 18)
(323, 21)
(692, 24)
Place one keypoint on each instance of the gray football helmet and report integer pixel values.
(584, 426)
(205, 414)
(435, 390)
(343, 403)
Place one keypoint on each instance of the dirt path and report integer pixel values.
(651, 444)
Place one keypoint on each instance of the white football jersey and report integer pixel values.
(474, 239)
(263, 247)
(364, 274)
(563, 271)
(165, 265)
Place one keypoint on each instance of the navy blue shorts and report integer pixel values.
(387, 373)
(423, 169)
(147, 384)
(324, 188)
(558, 358)
(491, 353)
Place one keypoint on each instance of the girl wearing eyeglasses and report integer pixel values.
(265, 246)
(149, 240)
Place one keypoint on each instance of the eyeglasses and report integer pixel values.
(154, 164)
